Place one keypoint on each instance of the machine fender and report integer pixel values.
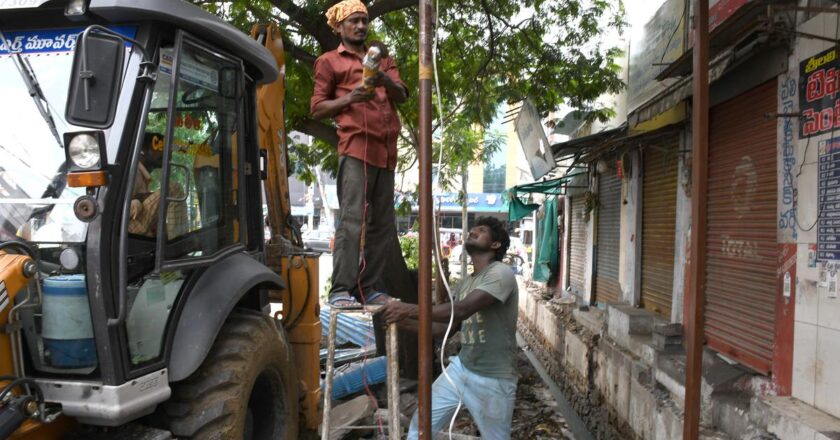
(209, 304)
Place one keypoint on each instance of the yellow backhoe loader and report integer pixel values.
(136, 138)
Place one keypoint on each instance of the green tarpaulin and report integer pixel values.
(517, 209)
(546, 262)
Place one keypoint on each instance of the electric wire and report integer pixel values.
(437, 253)
(362, 269)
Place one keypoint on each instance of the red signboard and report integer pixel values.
(720, 10)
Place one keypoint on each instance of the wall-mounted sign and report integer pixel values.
(819, 84)
(828, 234)
(450, 202)
(534, 143)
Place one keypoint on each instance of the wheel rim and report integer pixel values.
(266, 412)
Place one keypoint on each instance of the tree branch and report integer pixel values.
(314, 24)
(383, 7)
(296, 13)
(298, 53)
(319, 130)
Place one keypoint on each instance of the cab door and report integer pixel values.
(186, 200)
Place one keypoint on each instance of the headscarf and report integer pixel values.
(342, 10)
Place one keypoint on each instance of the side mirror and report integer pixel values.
(95, 80)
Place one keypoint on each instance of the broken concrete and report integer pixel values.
(609, 369)
(791, 419)
(349, 414)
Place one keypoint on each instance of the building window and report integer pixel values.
(494, 176)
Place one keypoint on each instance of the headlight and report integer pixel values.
(84, 151)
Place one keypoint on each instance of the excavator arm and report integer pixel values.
(298, 268)
(271, 120)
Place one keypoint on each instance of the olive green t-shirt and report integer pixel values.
(488, 337)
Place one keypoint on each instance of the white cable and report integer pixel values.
(437, 232)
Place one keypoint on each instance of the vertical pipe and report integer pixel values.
(424, 296)
(325, 424)
(699, 177)
(394, 429)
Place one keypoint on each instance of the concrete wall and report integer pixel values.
(816, 351)
(610, 384)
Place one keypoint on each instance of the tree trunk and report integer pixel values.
(464, 226)
(398, 282)
(328, 214)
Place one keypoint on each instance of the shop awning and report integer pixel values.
(577, 147)
(518, 208)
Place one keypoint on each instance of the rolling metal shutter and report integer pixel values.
(659, 218)
(607, 288)
(577, 257)
(741, 242)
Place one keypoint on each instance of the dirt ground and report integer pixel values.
(535, 416)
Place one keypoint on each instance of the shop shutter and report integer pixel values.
(659, 218)
(607, 288)
(577, 258)
(741, 232)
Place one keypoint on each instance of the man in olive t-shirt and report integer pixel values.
(484, 372)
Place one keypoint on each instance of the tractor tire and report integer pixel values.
(245, 389)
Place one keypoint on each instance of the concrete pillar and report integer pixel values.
(683, 226)
(589, 263)
(630, 251)
(567, 218)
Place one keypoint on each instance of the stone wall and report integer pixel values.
(613, 388)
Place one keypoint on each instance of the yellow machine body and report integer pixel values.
(301, 318)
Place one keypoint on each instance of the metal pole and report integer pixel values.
(325, 424)
(699, 177)
(424, 296)
(394, 428)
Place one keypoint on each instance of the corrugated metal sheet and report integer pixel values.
(741, 247)
(607, 288)
(577, 257)
(349, 328)
(659, 218)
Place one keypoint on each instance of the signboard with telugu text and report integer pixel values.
(819, 85)
(828, 234)
(50, 40)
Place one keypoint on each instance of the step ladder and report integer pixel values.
(394, 429)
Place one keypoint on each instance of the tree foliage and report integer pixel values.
(489, 52)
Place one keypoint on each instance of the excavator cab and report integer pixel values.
(132, 275)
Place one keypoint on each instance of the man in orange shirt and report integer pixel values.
(368, 128)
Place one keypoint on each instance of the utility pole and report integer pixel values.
(699, 180)
(424, 294)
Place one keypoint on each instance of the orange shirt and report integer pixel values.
(367, 131)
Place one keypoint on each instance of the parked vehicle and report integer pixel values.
(320, 240)
(125, 293)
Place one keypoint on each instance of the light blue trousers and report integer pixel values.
(489, 400)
